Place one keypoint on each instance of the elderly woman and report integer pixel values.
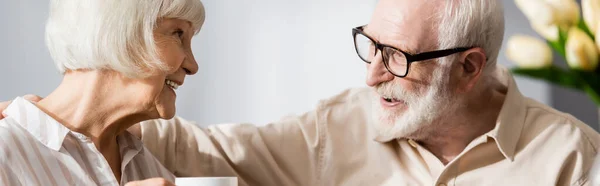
(122, 61)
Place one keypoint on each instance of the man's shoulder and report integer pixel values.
(560, 127)
(351, 97)
(350, 106)
(349, 111)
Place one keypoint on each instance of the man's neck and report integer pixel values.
(454, 133)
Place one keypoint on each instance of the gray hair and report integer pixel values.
(473, 23)
(113, 34)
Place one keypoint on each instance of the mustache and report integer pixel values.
(396, 91)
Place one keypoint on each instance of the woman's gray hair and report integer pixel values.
(113, 34)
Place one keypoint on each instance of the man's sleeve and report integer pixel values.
(281, 153)
(583, 145)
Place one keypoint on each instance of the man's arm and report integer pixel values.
(287, 152)
(281, 153)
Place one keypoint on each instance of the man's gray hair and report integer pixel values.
(473, 23)
(113, 34)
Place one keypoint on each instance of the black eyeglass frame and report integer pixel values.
(410, 58)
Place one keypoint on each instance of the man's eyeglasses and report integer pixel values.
(395, 60)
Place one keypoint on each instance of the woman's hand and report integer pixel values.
(4, 105)
(151, 182)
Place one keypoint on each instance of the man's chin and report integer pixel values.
(393, 128)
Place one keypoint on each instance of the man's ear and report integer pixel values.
(473, 62)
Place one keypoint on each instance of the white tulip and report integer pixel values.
(537, 11)
(581, 51)
(528, 52)
(549, 32)
(566, 12)
(547, 17)
(591, 14)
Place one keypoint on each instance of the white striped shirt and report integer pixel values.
(35, 149)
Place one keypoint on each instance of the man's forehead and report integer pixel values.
(409, 7)
(406, 24)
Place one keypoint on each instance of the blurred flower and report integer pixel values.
(566, 12)
(547, 17)
(549, 32)
(591, 14)
(598, 39)
(528, 52)
(581, 51)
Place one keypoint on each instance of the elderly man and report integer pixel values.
(439, 112)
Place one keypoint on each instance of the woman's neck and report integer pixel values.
(96, 104)
(93, 103)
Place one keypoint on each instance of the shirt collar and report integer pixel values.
(510, 121)
(128, 141)
(129, 147)
(43, 127)
(51, 133)
(511, 118)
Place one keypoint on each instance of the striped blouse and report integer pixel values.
(37, 150)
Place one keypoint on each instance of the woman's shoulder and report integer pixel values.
(11, 137)
(9, 128)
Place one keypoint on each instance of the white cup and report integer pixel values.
(206, 181)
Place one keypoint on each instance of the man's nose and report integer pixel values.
(376, 71)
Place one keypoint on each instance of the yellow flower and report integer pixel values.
(547, 17)
(581, 52)
(528, 52)
(591, 14)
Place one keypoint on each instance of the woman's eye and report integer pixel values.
(178, 33)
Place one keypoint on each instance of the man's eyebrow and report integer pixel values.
(397, 45)
(402, 47)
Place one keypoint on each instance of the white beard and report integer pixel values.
(421, 110)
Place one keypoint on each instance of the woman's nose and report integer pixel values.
(189, 64)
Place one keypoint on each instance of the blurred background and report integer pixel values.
(259, 60)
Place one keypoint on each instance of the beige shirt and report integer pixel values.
(37, 150)
(532, 144)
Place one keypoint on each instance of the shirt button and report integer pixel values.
(412, 143)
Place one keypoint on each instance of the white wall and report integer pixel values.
(25, 64)
(264, 59)
(259, 60)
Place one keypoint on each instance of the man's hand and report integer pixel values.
(151, 182)
(4, 105)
